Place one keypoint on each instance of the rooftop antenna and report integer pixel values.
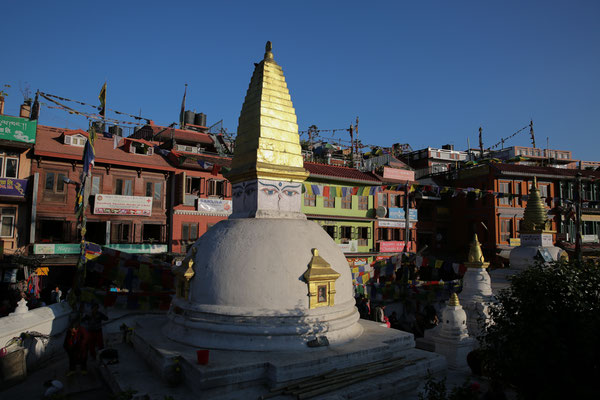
(480, 142)
(531, 133)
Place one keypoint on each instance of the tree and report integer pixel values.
(544, 338)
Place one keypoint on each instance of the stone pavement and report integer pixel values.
(78, 386)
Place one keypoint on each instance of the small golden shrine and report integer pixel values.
(267, 145)
(321, 281)
(183, 274)
(535, 218)
(475, 258)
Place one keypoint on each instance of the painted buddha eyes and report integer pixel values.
(268, 192)
(289, 192)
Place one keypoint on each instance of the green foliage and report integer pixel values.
(436, 390)
(544, 335)
(3, 92)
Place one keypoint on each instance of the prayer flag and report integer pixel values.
(326, 190)
(315, 189)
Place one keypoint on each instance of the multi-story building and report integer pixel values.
(535, 156)
(201, 196)
(434, 160)
(343, 205)
(17, 137)
(127, 210)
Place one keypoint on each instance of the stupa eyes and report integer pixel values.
(268, 192)
(290, 193)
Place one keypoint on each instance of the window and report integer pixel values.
(96, 185)
(347, 200)
(364, 234)
(215, 187)
(9, 166)
(382, 199)
(120, 232)
(189, 232)
(395, 200)
(505, 229)
(331, 230)
(504, 187)
(193, 185)
(55, 182)
(329, 202)
(154, 190)
(52, 231)
(152, 233)
(7, 222)
(518, 185)
(363, 202)
(123, 187)
(345, 233)
(310, 200)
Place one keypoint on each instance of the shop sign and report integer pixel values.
(144, 248)
(589, 238)
(215, 206)
(536, 239)
(398, 213)
(514, 242)
(17, 129)
(350, 247)
(393, 224)
(113, 204)
(75, 248)
(56, 248)
(398, 174)
(13, 187)
(392, 247)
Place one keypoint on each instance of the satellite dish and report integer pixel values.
(381, 212)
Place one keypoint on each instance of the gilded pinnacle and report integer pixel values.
(535, 218)
(475, 258)
(267, 145)
(453, 302)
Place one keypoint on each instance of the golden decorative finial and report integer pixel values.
(315, 252)
(535, 217)
(475, 258)
(320, 278)
(269, 51)
(453, 302)
(267, 145)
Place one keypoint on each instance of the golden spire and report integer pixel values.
(475, 258)
(453, 302)
(267, 144)
(535, 218)
(319, 269)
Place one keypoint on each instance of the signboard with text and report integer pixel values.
(398, 174)
(13, 187)
(17, 129)
(392, 247)
(398, 213)
(215, 206)
(350, 247)
(536, 239)
(393, 224)
(113, 204)
(75, 248)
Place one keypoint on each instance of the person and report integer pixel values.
(363, 308)
(380, 315)
(93, 327)
(75, 346)
(55, 295)
(393, 319)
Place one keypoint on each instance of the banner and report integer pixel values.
(13, 187)
(122, 205)
(17, 129)
(215, 206)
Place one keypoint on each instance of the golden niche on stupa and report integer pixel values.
(267, 145)
(320, 278)
(535, 218)
(475, 258)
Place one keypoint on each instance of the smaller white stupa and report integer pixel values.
(535, 235)
(476, 295)
(451, 336)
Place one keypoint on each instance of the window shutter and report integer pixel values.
(335, 232)
(180, 182)
(355, 230)
(202, 186)
(369, 233)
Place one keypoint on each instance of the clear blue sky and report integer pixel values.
(420, 72)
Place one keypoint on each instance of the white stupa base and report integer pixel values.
(523, 257)
(477, 286)
(455, 350)
(249, 374)
(221, 327)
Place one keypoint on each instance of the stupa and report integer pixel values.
(251, 287)
(268, 293)
(535, 234)
(476, 294)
